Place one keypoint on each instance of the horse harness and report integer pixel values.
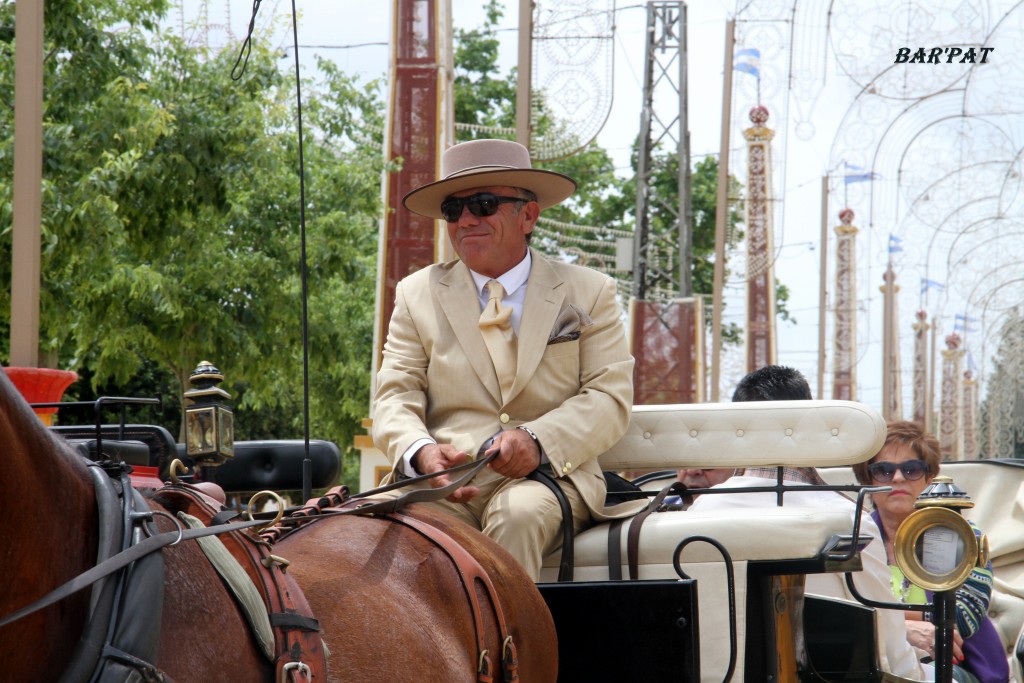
(121, 638)
(338, 501)
(298, 647)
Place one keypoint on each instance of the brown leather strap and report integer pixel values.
(633, 536)
(615, 549)
(472, 573)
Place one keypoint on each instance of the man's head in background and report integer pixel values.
(777, 383)
(773, 383)
(770, 383)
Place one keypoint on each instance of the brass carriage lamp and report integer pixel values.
(937, 549)
(209, 420)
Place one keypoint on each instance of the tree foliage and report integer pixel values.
(171, 219)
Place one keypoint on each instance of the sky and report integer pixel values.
(815, 126)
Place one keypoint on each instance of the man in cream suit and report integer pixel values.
(554, 391)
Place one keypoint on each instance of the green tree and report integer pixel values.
(171, 219)
(483, 97)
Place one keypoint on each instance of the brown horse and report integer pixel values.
(391, 604)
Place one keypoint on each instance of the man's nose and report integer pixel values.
(467, 217)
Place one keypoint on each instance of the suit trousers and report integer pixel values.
(522, 515)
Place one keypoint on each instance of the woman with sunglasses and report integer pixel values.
(908, 462)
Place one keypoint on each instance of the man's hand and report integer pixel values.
(518, 454)
(921, 634)
(436, 457)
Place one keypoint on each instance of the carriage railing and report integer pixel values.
(99, 405)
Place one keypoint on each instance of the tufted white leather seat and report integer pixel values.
(757, 434)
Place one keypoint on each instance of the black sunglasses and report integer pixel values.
(479, 204)
(912, 470)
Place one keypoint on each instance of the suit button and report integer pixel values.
(503, 418)
(566, 468)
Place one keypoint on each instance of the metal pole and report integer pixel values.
(28, 174)
(929, 404)
(685, 205)
(640, 233)
(822, 286)
(524, 73)
(887, 334)
(945, 618)
(721, 213)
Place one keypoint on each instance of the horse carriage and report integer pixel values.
(110, 585)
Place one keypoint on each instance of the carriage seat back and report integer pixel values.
(755, 434)
(131, 452)
(257, 465)
(135, 444)
(276, 465)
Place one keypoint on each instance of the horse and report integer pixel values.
(391, 604)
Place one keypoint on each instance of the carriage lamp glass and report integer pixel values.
(936, 548)
(209, 420)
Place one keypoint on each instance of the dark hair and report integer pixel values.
(773, 383)
(912, 435)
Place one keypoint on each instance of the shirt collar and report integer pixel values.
(511, 279)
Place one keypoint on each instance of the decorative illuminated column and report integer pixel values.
(892, 387)
(419, 127)
(922, 411)
(951, 410)
(760, 274)
(844, 375)
(970, 410)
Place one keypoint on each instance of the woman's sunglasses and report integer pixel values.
(912, 470)
(479, 204)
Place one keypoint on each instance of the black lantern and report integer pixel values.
(209, 421)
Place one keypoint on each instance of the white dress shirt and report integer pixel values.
(514, 282)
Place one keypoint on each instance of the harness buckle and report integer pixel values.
(301, 668)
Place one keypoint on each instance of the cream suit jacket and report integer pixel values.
(437, 380)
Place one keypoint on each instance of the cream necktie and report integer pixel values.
(500, 338)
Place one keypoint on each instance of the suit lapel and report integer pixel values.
(545, 293)
(457, 298)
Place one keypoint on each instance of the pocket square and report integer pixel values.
(570, 322)
(564, 338)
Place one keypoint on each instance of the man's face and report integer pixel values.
(492, 245)
(704, 478)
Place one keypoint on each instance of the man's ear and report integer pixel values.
(530, 212)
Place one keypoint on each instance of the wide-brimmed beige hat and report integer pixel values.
(481, 163)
